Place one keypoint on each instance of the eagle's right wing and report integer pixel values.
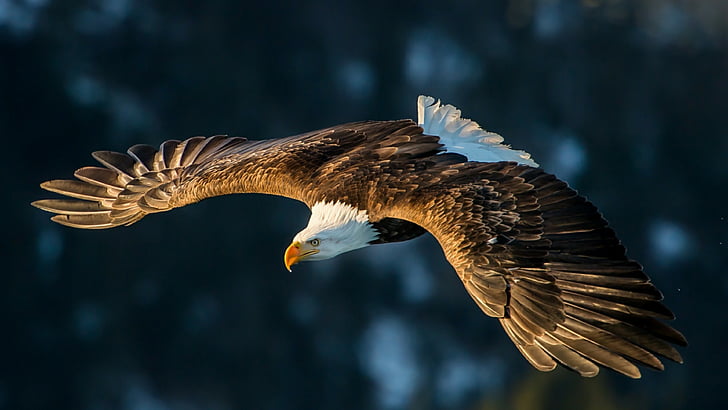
(146, 180)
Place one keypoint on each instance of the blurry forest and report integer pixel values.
(193, 309)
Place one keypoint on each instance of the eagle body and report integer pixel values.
(530, 251)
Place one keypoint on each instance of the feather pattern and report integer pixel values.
(530, 251)
(562, 287)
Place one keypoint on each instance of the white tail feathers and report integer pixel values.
(465, 136)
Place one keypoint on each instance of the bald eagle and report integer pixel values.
(530, 251)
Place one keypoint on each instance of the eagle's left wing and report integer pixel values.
(541, 259)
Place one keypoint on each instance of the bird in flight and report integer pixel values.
(530, 251)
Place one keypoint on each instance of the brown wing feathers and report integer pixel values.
(573, 296)
(147, 180)
(132, 185)
(534, 254)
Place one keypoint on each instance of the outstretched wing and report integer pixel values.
(541, 259)
(146, 180)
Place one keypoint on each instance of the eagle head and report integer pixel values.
(334, 228)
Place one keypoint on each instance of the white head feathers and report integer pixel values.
(338, 227)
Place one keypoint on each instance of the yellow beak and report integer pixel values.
(296, 252)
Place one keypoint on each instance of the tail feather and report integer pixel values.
(465, 136)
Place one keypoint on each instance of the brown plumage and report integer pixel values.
(529, 250)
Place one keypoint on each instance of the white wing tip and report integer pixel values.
(465, 136)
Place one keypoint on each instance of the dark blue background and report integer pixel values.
(193, 309)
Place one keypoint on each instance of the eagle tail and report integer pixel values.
(464, 136)
(130, 185)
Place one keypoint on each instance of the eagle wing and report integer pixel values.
(542, 260)
(147, 180)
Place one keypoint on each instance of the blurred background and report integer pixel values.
(193, 309)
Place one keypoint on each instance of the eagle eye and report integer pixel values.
(314, 242)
